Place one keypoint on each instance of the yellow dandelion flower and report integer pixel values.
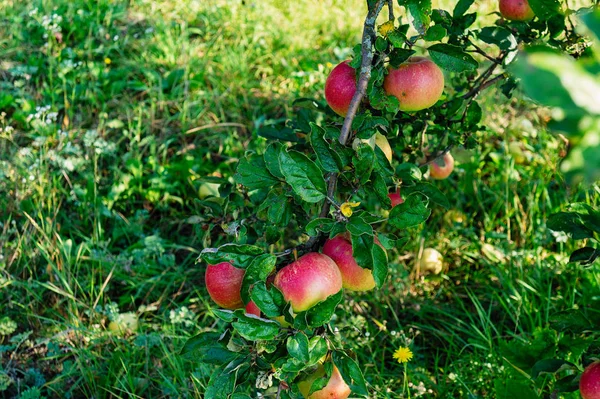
(385, 28)
(346, 208)
(403, 355)
(107, 61)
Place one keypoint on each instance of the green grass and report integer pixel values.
(112, 123)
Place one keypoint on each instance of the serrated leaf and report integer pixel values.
(435, 33)
(322, 312)
(399, 55)
(273, 133)
(239, 256)
(264, 300)
(322, 150)
(224, 314)
(452, 58)
(319, 225)
(397, 38)
(271, 158)
(303, 175)
(279, 210)
(206, 347)
(420, 11)
(364, 161)
(380, 265)
(362, 250)
(252, 173)
(571, 223)
(350, 372)
(222, 382)
(411, 212)
(258, 270)
(357, 226)
(317, 348)
(254, 329)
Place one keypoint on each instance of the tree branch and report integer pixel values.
(391, 10)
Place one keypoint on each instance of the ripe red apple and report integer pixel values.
(396, 198)
(516, 10)
(354, 277)
(340, 88)
(441, 167)
(417, 84)
(224, 283)
(309, 280)
(336, 387)
(589, 384)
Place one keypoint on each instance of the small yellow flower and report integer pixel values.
(346, 208)
(403, 355)
(329, 65)
(107, 61)
(385, 28)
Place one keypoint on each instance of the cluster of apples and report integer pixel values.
(417, 84)
(310, 279)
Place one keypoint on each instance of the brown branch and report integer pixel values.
(368, 39)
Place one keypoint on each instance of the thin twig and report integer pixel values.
(391, 10)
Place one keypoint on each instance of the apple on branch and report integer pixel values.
(336, 387)
(340, 87)
(224, 285)
(417, 84)
(516, 10)
(309, 280)
(441, 167)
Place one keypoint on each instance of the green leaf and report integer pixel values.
(524, 354)
(381, 191)
(452, 58)
(319, 224)
(420, 11)
(571, 223)
(322, 312)
(397, 38)
(357, 226)
(303, 175)
(399, 55)
(381, 44)
(350, 372)
(461, 8)
(285, 134)
(258, 270)
(239, 256)
(253, 328)
(501, 37)
(279, 210)
(435, 33)
(570, 320)
(207, 347)
(364, 161)
(545, 9)
(224, 314)
(585, 256)
(322, 150)
(222, 382)
(591, 19)
(551, 366)
(252, 173)
(317, 348)
(548, 77)
(411, 212)
(264, 300)
(380, 265)
(430, 191)
(362, 250)
(271, 158)
(473, 115)
(297, 346)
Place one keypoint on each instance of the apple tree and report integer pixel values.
(312, 216)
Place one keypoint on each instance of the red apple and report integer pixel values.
(309, 280)
(396, 198)
(354, 277)
(336, 387)
(340, 88)
(224, 283)
(251, 308)
(417, 84)
(516, 10)
(441, 167)
(589, 384)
